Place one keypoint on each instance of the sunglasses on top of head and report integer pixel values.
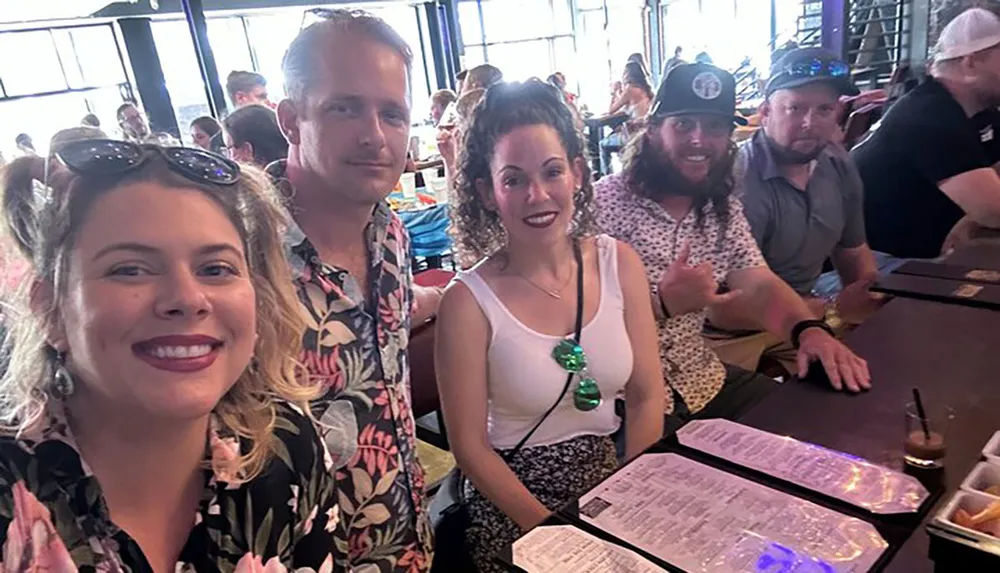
(110, 157)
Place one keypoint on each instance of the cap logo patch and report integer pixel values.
(706, 85)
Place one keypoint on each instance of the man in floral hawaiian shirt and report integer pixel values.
(347, 120)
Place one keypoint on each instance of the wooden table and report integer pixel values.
(983, 253)
(949, 352)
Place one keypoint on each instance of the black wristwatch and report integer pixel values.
(801, 327)
(660, 310)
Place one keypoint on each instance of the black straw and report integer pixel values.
(923, 415)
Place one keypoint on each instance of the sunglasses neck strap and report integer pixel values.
(509, 454)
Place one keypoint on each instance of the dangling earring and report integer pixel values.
(62, 380)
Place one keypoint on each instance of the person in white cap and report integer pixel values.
(928, 179)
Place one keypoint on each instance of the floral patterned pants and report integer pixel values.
(555, 474)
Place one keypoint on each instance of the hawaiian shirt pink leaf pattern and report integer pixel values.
(32, 542)
(323, 368)
(53, 516)
(357, 349)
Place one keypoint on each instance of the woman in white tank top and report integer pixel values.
(523, 206)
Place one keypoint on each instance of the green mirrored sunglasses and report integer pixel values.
(571, 357)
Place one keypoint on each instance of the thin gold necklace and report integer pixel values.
(557, 293)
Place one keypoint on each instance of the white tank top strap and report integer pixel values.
(607, 251)
(488, 301)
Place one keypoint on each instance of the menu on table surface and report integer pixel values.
(704, 520)
(836, 474)
(566, 549)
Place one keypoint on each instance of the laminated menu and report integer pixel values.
(566, 549)
(841, 476)
(704, 520)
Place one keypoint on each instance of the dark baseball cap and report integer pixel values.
(804, 66)
(697, 88)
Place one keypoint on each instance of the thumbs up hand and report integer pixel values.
(685, 288)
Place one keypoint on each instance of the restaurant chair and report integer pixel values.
(860, 122)
(423, 378)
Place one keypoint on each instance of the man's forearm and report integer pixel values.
(780, 308)
(856, 269)
(736, 315)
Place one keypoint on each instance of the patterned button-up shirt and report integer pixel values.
(689, 366)
(358, 353)
(54, 516)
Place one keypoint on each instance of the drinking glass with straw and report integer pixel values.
(926, 432)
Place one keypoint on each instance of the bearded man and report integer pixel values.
(673, 204)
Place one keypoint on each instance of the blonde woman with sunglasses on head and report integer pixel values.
(148, 407)
(535, 342)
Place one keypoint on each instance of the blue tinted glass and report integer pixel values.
(202, 165)
(800, 69)
(819, 67)
(839, 69)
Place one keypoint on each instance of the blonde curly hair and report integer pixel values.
(44, 227)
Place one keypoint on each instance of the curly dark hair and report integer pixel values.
(635, 74)
(650, 176)
(477, 229)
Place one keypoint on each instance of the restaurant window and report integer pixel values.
(93, 54)
(58, 76)
(524, 38)
(41, 117)
(741, 30)
(270, 36)
(230, 48)
(626, 32)
(30, 63)
(424, 68)
(181, 73)
(607, 33)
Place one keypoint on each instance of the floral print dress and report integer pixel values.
(53, 516)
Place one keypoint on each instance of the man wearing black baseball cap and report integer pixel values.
(803, 196)
(673, 204)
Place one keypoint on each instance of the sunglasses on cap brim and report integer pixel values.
(817, 68)
(107, 157)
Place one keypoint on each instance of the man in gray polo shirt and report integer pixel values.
(800, 192)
